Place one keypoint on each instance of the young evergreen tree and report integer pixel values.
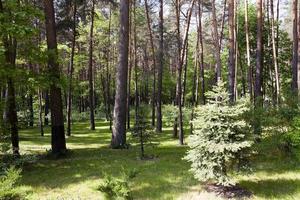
(219, 137)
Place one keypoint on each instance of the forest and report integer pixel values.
(149, 99)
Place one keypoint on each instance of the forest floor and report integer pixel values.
(167, 176)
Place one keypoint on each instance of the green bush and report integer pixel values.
(118, 188)
(8, 185)
(220, 138)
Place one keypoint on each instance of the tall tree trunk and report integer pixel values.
(160, 68)
(30, 108)
(119, 129)
(135, 64)
(154, 61)
(231, 60)
(10, 51)
(216, 42)
(90, 70)
(201, 52)
(71, 69)
(259, 56)
(108, 75)
(250, 71)
(295, 48)
(58, 141)
(274, 52)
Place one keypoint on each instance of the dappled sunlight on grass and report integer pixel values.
(166, 176)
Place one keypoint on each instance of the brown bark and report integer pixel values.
(160, 69)
(58, 142)
(119, 128)
(259, 56)
(71, 69)
(90, 71)
(295, 47)
(231, 60)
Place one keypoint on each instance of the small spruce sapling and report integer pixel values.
(220, 137)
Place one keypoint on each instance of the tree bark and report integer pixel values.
(58, 141)
(154, 62)
(216, 41)
(90, 70)
(295, 48)
(259, 56)
(160, 68)
(231, 60)
(119, 128)
(71, 69)
(250, 71)
(10, 51)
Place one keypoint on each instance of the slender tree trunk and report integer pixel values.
(135, 64)
(154, 62)
(58, 141)
(216, 41)
(160, 68)
(295, 48)
(250, 71)
(223, 24)
(231, 60)
(10, 51)
(275, 53)
(119, 129)
(40, 96)
(30, 108)
(201, 52)
(259, 56)
(108, 75)
(90, 70)
(71, 69)
(46, 119)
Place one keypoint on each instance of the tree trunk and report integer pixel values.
(58, 142)
(201, 52)
(119, 129)
(135, 64)
(231, 60)
(275, 53)
(90, 71)
(295, 48)
(250, 71)
(259, 56)
(10, 51)
(216, 41)
(40, 96)
(154, 62)
(71, 69)
(160, 68)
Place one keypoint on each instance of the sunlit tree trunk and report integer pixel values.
(295, 47)
(119, 126)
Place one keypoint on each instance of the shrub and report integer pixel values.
(219, 137)
(8, 185)
(117, 188)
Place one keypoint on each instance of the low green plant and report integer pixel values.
(220, 138)
(8, 185)
(118, 188)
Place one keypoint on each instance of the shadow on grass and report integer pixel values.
(273, 188)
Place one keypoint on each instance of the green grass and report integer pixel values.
(77, 176)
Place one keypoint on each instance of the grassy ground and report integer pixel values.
(275, 175)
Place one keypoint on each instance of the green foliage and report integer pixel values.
(118, 188)
(8, 185)
(219, 139)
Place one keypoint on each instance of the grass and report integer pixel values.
(275, 176)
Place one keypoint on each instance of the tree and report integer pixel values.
(71, 70)
(10, 51)
(58, 141)
(219, 139)
(259, 55)
(231, 60)
(295, 47)
(90, 70)
(160, 68)
(119, 126)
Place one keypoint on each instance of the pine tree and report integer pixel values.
(219, 137)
